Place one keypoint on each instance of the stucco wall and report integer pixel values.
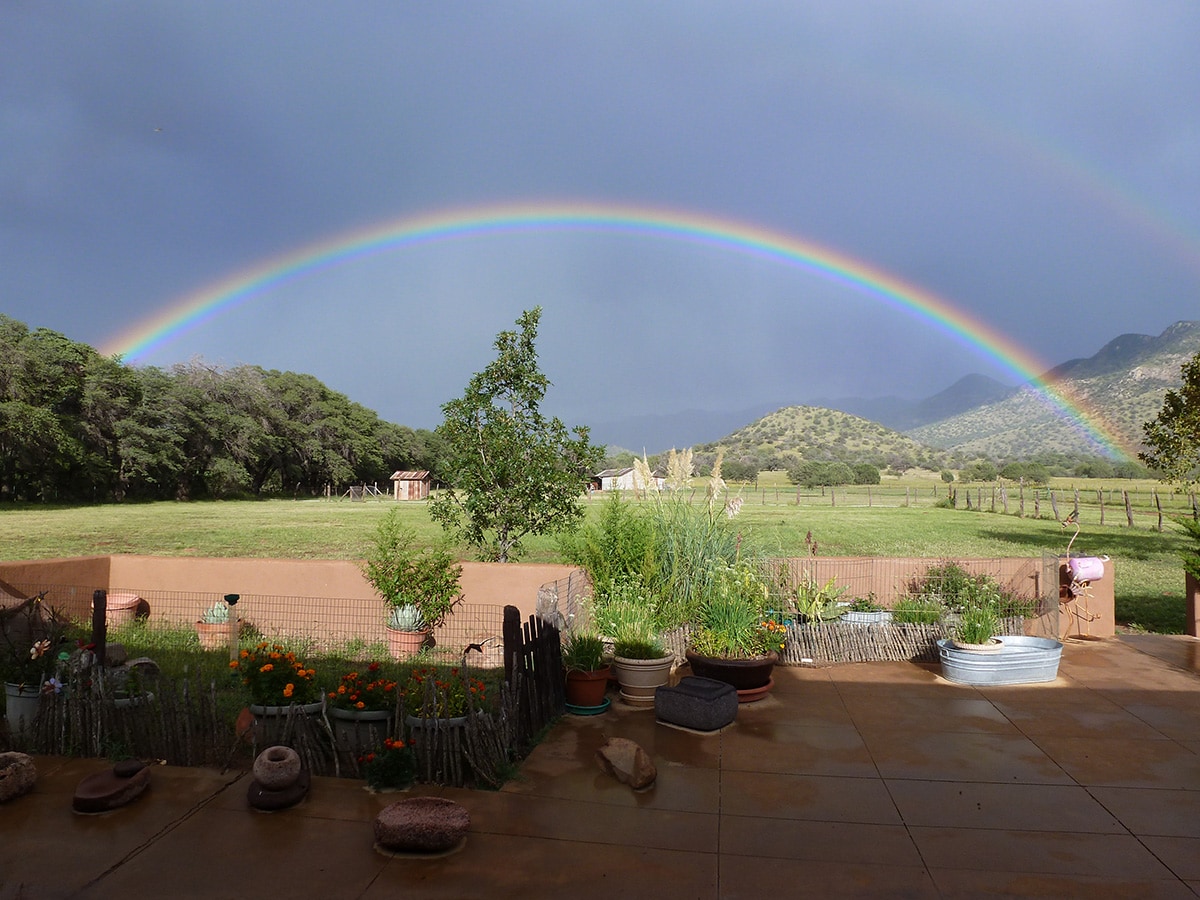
(274, 592)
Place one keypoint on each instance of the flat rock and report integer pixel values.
(267, 800)
(111, 788)
(626, 761)
(277, 768)
(17, 775)
(422, 825)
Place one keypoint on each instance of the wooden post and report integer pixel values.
(1128, 508)
(1004, 499)
(1054, 506)
(1100, 499)
(1021, 498)
(1158, 506)
(1076, 504)
(511, 632)
(99, 624)
(869, 499)
(231, 600)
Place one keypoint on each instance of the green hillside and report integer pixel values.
(798, 433)
(1123, 384)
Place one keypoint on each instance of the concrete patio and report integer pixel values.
(875, 779)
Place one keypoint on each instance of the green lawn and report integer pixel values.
(1149, 576)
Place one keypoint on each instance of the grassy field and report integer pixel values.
(1149, 576)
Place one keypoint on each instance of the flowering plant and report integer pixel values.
(274, 675)
(392, 766)
(369, 691)
(431, 694)
(30, 637)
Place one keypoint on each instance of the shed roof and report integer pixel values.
(412, 475)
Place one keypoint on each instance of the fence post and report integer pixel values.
(1100, 498)
(511, 632)
(1158, 506)
(1128, 508)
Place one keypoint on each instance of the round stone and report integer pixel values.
(277, 768)
(422, 825)
(17, 775)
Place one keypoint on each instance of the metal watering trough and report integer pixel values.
(1021, 659)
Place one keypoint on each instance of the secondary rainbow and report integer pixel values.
(720, 233)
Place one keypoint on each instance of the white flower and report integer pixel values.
(39, 648)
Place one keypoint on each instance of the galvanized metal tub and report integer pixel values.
(1022, 660)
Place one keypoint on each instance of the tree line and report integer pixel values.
(76, 426)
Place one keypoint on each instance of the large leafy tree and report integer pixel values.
(1173, 439)
(511, 471)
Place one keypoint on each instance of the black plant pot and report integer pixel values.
(743, 674)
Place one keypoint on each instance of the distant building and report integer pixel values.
(625, 479)
(411, 485)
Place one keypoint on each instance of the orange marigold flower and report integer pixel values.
(267, 667)
(233, 664)
(289, 689)
(360, 705)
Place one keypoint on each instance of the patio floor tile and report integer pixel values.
(846, 842)
(772, 795)
(1174, 813)
(756, 877)
(1100, 760)
(961, 756)
(826, 750)
(1070, 853)
(580, 821)
(1024, 807)
(961, 884)
(1179, 854)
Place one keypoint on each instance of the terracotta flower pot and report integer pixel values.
(403, 644)
(586, 689)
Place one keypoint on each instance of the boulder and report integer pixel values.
(627, 762)
(277, 768)
(421, 825)
(111, 788)
(17, 775)
(699, 704)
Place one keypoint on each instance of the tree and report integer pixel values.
(1173, 439)
(511, 472)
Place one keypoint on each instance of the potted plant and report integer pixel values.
(281, 686)
(447, 695)
(587, 669)
(641, 661)
(419, 586)
(30, 636)
(212, 628)
(866, 611)
(362, 705)
(733, 639)
(1190, 555)
(391, 767)
(977, 626)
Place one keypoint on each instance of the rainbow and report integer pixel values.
(725, 234)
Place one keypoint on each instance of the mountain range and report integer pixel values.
(1121, 387)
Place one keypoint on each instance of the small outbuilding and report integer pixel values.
(625, 479)
(411, 485)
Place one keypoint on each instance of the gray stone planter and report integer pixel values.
(1021, 660)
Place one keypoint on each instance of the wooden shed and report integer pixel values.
(411, 485)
